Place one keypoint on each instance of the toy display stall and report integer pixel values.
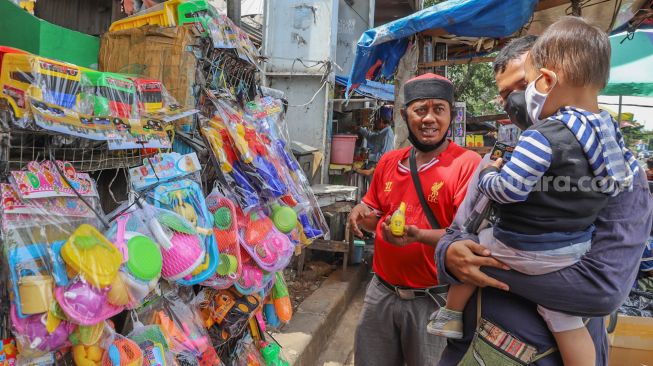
(189, 269)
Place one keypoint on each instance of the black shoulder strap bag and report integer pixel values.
(420, 192)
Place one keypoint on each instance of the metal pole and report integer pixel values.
(233, 11)
(619, 113)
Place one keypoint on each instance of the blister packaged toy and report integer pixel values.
(153, 343)
(169, 181)
(225, 312)
(123, 351)
(89, 344)
(258, 162)
(183, 329)
(247, 353)
(225, 229)
(142, 258)
(218, 138)
(271, 353)
(158, 242)
(253, 279)
(41, 216)
(94, 262)
(281, 298)
(267, 246)
(266, 114)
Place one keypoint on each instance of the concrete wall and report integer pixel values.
(353, 21)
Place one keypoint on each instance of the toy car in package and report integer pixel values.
(170, 181)
(59, 264)
(128, 111)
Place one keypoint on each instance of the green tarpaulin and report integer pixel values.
(631, 65)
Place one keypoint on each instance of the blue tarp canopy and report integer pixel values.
(383, 47)
(371, 89)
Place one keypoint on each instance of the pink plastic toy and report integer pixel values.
(251, 277)
(84, 304)
(181, 249)
(120, 237)
(34, 330)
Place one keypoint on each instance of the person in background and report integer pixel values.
(649, 169)
(379, 141)
(404, 290)
(593, 287)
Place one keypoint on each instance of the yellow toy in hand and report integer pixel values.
(398, 221)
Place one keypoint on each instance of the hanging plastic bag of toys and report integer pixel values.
(44, 223)
(171, 182)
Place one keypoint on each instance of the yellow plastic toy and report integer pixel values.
(90, 254)
(398, 221)
(87, 355)
(119, 293)
(163, 15)
(242, 145)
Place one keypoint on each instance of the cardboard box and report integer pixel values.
(631, 344)
(160, 53)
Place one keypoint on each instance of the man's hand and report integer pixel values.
(464, 260)
(411, 234)
(363, 215)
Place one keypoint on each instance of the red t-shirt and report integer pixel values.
(444, 181)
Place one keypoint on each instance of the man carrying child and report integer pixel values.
(570, 139)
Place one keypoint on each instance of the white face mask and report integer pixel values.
(535, 100)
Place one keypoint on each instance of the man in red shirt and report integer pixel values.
(404, 290)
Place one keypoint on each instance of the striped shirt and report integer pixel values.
(600, 139)
(604, 147)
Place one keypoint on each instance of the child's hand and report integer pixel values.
(496, 164)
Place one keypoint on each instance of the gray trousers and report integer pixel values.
(392, 331)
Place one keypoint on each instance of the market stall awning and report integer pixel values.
(385, 45)
(631, 65)
(371, 89)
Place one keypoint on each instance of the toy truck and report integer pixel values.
(109, 94)
(149, 94)
(12, 98)
(51, 81)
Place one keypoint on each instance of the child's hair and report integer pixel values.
(649, 163)
(578, 49)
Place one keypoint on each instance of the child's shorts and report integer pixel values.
(533, 262)
(537, 263)
(560, 322)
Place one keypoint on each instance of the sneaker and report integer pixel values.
(446, 323)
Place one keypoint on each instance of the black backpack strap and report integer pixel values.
(420, 192)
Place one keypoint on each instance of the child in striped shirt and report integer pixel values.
(560, 175)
